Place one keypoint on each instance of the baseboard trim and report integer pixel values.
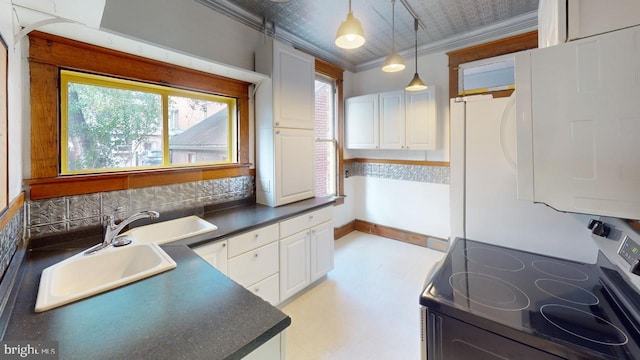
(344, 230)
(427, 241)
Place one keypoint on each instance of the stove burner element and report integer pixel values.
(493, 259)
(583, 325)
(559, 270)
(567, 292)
(489, 291)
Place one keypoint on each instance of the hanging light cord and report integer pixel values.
(393, 25)
(415, 28)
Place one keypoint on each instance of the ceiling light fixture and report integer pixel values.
(350, 34)
(394, 62)
(416, 83)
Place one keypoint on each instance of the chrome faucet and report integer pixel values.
(111, 230)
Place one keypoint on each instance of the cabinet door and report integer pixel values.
(293, 88)
(362, 125)
(215, 254)
(294, 165)
(294, 264)
(321, 250)
(586, 125)
(591, 17)
(392, 120)
(421, 119)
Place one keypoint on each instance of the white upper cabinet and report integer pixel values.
(421, 119)
(584, 125)
(285, 108)
(392, 120)
(294, 88)
(362, 123)
(592, 17)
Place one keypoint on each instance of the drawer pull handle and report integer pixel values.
(257, 290)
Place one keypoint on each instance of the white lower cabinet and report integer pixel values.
(294, 264)
(215, 254)
(277, 261)
(254, 262)
(321, 250)
(268, 289)
(307, 255)
(273, 349)
(255, 265)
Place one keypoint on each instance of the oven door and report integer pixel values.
(451, 339)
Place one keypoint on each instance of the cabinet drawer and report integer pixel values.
(305, 221)
(252, 240)
(255, 265)
(268, 289)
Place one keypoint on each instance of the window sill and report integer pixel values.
(40, 189)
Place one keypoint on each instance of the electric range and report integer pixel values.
(492, 302)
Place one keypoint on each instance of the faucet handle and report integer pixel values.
(111, 218)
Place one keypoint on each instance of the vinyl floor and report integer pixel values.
(367, 308)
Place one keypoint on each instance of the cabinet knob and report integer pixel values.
(257, 235)
(256, 255)
(277, 132)
(224, 245)
(257, 290)
(277, 123)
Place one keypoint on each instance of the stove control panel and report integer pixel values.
(629, 250)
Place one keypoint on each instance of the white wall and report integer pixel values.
(16, 68)
(409, 205)
(185, 26)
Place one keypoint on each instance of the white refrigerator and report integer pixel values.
(483, 187)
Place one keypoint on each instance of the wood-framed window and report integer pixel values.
(49, 55)
(508, 45)
(335, 73)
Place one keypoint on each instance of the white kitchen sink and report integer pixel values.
(81, 276)
(171, 230)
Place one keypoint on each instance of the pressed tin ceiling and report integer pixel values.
(311, 25)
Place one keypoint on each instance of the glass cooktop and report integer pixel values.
(546, 299)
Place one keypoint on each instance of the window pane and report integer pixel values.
(199, 131)
(107, 127)
(324, 133)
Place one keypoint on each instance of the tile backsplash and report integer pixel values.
(420, 173)
(69, 213)
(10, 236)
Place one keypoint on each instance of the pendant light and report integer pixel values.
(394, 62)
(350, 34)
(416, 83)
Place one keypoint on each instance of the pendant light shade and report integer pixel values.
(416, 83)
(350, 34)
(394, 62)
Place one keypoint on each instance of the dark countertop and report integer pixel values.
(190, 312)
(241, 219)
